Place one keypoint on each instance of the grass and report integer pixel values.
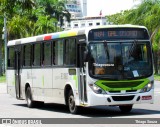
(157, 77)
(2, 79)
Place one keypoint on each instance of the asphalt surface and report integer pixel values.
(13, 108)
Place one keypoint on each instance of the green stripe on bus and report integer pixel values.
(68, 34)
(76, 80)
(122, 85)
(63, 35)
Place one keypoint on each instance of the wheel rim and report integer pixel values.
(71, 103)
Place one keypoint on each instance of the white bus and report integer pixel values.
(107, 65)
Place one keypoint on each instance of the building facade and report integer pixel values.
(85, 22)
(79, 19)
(75, 8)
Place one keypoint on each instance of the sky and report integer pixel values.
(109, 7)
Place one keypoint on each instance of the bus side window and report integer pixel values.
(11, 57)
(46, 53)
(53, 53)
(58, 48)
(27, 55)
(36, 54)
(70, 51)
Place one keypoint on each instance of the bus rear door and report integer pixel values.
(18, 72)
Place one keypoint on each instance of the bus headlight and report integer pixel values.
(147, 88)
(97, 89)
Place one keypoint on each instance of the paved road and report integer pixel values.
(12, 108)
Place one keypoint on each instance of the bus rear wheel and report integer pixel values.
(71, 103)
(125, 108)
(30, 102)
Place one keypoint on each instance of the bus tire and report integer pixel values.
(71, 103)
(126, 108)
(30, 102)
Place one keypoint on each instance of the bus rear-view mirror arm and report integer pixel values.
(85, 56)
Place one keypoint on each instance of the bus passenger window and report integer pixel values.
(58, 50)
(36, 54)
(47, 53)
(11, 56)
(53, 53)
(70, 52)
(27, 55)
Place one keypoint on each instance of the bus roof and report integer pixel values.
(68, 33)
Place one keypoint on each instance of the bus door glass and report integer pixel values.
(82, 78)
(17, 71)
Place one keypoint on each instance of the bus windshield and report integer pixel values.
(120, 60)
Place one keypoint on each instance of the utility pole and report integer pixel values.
(1, 72)
(5, 43)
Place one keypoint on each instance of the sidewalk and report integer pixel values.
(3, 88)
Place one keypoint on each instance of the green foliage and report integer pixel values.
(156, 41)
(56, 9)
(10, 7)
(157, 77)
(32, 17)
(44, 24)
(17, 27)
(115, 18)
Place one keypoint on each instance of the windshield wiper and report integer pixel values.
(107, 50)
(132, 48)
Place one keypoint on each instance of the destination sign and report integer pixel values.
(117, 33)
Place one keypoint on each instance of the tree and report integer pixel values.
(56, 9)
(119, 18)
(1, 44)
(17, 27)
(44, 24)
(10, 6)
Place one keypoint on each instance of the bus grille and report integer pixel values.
(122, 84)
(123, 98)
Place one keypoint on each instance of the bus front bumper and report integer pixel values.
(120, 99)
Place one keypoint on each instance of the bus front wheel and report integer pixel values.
(30, 102)
(71, 103)
(125, 108)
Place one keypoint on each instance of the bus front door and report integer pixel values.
(17, 72)
(82, 78)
